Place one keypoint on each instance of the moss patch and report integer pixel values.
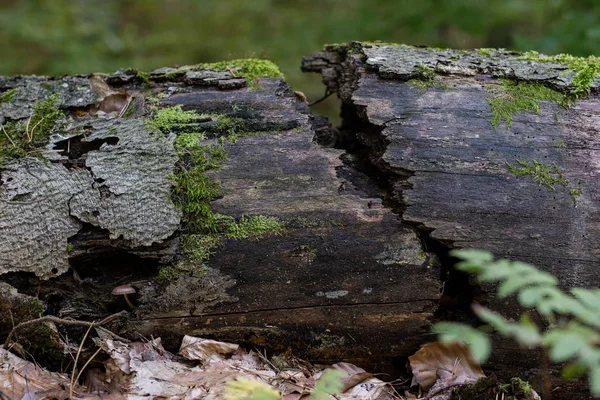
(8, 96)
(512, 97)
(544, 174)
(586, 69)
(426, 79)
(18, 139)
(252, 226)
(194, 190)
(250, 68)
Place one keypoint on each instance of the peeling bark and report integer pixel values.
(345, 279)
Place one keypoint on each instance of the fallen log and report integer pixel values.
(202, 190)
(485, 149)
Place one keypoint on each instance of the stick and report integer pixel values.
(56, 320)
(327, 94)
(8, 137)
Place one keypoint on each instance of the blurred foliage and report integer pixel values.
(83, 36)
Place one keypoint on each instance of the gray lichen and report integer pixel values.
(72, 91)
(133, 199)
(35, 223)
(403, 62)
(125, 190)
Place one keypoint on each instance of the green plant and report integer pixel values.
(571, 329)
(329, 383)
(545, 174)
(19, 139)
(512, 97)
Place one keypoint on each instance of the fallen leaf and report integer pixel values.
(110, 100)
(452, 363)
(194, 348)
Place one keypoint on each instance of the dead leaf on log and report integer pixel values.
(452, 363)
(199, 349)
(111, 100)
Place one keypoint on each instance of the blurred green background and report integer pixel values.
(83, 36)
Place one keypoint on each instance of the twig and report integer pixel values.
(87, 363)
(27, 129)
(125, 107)
(114, 335)
(327, 94)
(77, 358)
(265, 359)
(35, 126)
(56, 320)
(8, 137)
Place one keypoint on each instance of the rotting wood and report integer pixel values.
(343, 279)
(424, 117)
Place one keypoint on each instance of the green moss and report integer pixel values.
(8, 96)
(512, 97)
(168, 274)
(426, 79)
(544, 174)
(486, 51)
(250, 68)
(188, 140)
(144, 78)
(69, 247)
(560, 144)
(194, 191)
(586, 70)
(518, 389)
(18, 139)
(252, 226)
(168, 118)
(199, 247)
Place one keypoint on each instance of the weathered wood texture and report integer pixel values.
(345, 279)
(423, 117)
(451, 163)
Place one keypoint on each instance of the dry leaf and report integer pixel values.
(194, 348)
(355, 375)
(22, 379)
(111, 100)
(452, 363)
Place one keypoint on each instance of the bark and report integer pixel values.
(423, 118)
(345, 279)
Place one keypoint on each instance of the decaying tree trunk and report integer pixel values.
(343, 279)
(333, 244)
(482, 149)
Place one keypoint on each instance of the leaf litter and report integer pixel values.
(210, 369)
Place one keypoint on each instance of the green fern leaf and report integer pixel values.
(525, 332)
(478, 342)
(329, 383)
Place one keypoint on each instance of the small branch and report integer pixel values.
(126, 106)
(327, 94)
(8, 137)
(60, 321)
(35, 126)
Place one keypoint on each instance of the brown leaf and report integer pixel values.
(111, 100)
(452, 363)
(22, 378)
(355, 375)
(194, 348)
